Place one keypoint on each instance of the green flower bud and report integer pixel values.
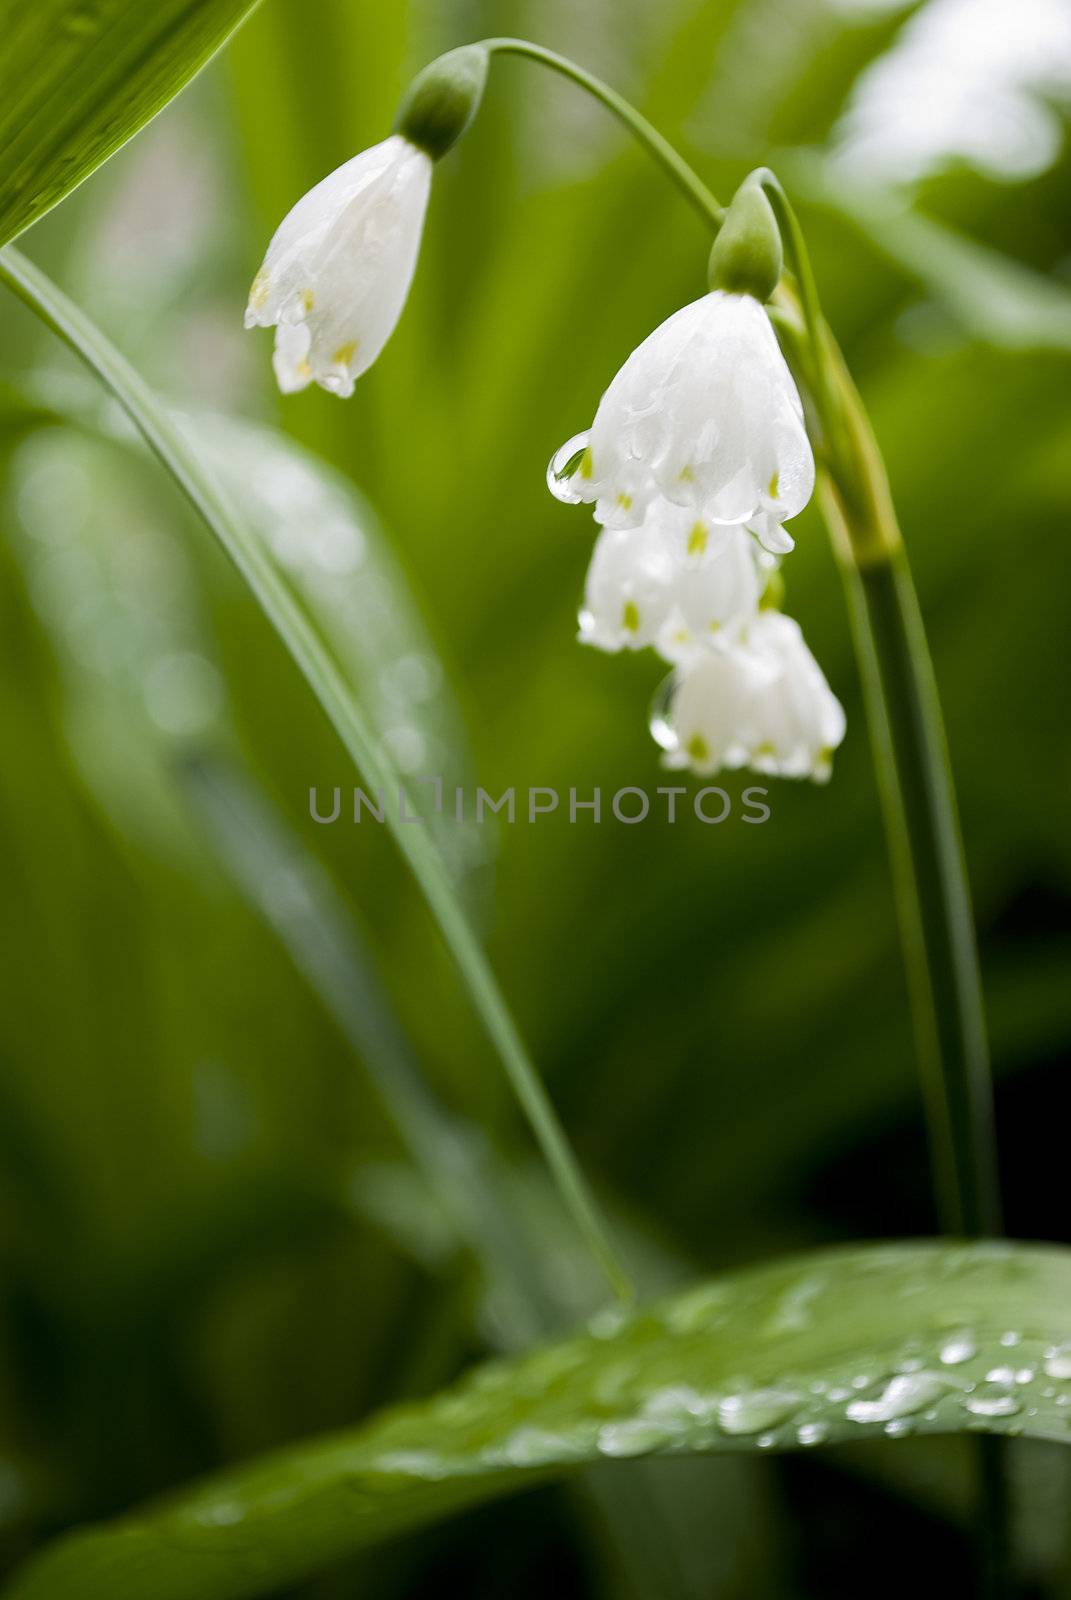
(747, 256)
(442, 100)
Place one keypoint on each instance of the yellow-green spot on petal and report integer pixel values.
(345, 353)
(697, 539)
(303, 368)
(624, 501)
(773, 596)
(258, 293)
(687, 475)
(697, 748)
(715, 625)
(765, 749)
(630, 616)
(587, 464)
(308, 300)
(772, 486)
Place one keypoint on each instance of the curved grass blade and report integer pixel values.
(80, 77)
(324, 676)
(921, 1338)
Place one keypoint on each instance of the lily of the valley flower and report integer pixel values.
(673, 582)
(703, 414)
(756, 700)
(338, 270)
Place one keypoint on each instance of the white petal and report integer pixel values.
(341, 263)
(291, 357)
(758, 699)
(672, 582)
(705, 414)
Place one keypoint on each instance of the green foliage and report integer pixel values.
(216, 1241)
(80, 77)
(823, 1348)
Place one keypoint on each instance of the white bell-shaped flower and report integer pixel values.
(673, 582)
(757, 700)
(704, 414)
(338, 269)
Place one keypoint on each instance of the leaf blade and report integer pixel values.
(79, 80)
(659, 1383)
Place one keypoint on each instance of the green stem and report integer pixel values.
(932, 896)
(670, 160)
(913, 771)
(323, 676)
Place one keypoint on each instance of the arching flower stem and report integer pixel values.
(669, 159)
(907, 734)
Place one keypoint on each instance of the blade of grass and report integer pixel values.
(323, 676)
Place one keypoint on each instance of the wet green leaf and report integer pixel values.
(895, 1339)
(80, 77)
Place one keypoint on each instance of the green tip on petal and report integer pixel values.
(747, 257)
(442, 100)
(773, 596)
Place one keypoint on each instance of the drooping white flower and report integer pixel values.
(704, 414)
(673, 582)
(338, 270)
(757, 700)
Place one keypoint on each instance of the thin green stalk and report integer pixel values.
(323, 676)
(911, 759)
(656, 144)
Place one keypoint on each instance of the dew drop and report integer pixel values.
(608, 1322)
(959, 1347)
(1003, 1375)
(563, 474)
(659, 718)
(677, 1401)
(1010, 1339)
(902, 1396)
(756, 1410)
(1058, 1361)
(765, 1440)
(812, 1433)
(991, 1402)
(532, 1447)
(632, 1438)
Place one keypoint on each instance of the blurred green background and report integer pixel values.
(213, 1239)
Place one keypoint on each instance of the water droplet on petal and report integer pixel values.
(661, 728)
(812, 1433)
(566, 475)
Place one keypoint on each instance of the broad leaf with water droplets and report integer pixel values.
(846, 1344)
